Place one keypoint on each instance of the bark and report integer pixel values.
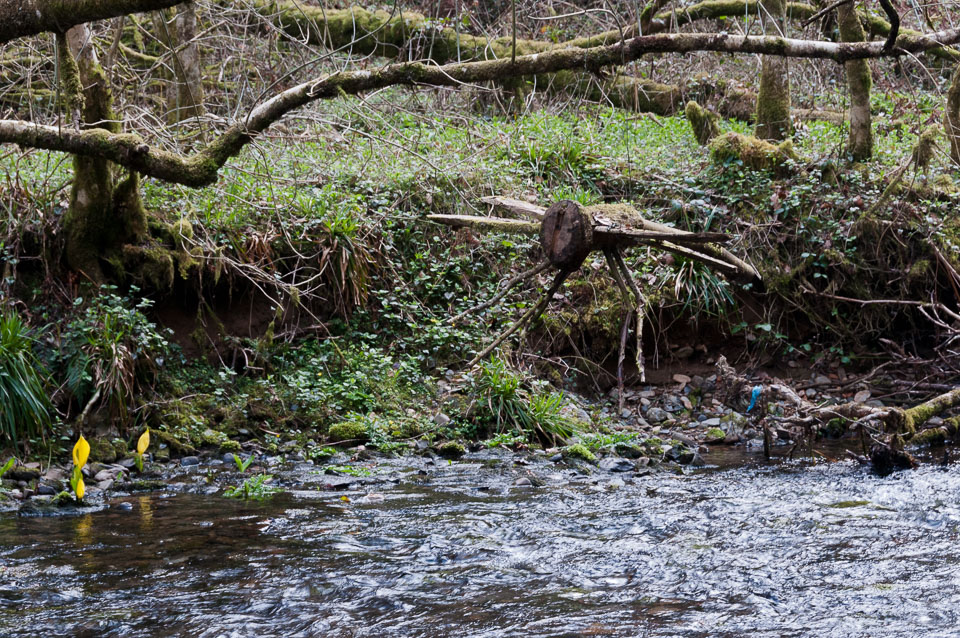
(951, 117)
(177, 33)
(101, 215)
(773, 99)
(20, 18)
(201, 168)
(859, 83)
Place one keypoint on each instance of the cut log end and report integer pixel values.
(566, 235)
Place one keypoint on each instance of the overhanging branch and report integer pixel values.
(201, 168)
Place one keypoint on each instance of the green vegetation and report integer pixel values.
(254, 488)
(26, 413)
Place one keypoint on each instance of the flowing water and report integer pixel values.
(782, 549)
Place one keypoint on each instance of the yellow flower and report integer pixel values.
(80, 452)
(144, 442)
(80, 489)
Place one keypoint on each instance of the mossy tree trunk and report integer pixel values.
(951, 120)
(773, 99)
(859, 82)
(102, 214)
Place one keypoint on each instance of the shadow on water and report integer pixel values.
(745, 549)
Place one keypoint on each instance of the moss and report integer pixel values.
(703, 123)
(452, 450)
(924, 150)
(579, 451)
(348, 431)
(71, 87)
(715, 434)
(773, 98)
(230, 446)
(859, 83)
(919, 271)
(102, 450)
(150, 266)
(754, 153)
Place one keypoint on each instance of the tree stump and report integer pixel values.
(566, 234)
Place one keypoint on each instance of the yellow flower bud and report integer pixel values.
(80, 489)
(80, 452)
(144, 442)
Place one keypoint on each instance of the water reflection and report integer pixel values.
(770, 550)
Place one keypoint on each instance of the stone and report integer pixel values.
(22, 474)
(229, 458)
(861, 396)
(821, 379)
(523, 481)
(189, 460)
(656, 415)
(690, 457)
(711, 423)
(441, 419)
(54, 474)
(556, 458)
(811, 393)
(47, 489)
(625, 413)
(105, 484)
(681, 378)
(615, 464)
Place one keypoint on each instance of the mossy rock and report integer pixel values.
(754, 153)
(348, 432)
(452, 450)
(579, 451)
(103, 450)
(715, 435)
(230, 446)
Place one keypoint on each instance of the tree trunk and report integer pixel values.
(773, 99)
(102, 215)
(951, 119)
(859, 81)
(189, 84)
(185, 90)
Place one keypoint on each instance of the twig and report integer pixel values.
(527, 316)
(505, 288)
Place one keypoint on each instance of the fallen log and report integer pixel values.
(569, 232)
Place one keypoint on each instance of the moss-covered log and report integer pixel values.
(754, 153)
(859, 83)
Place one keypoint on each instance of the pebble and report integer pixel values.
(625, 413)
(811, 393)
(125, 506)
(711, 423)
(523, 481)
(556, 458)
(861, 396)
(441, 419)
(189, 460)
(228, 457)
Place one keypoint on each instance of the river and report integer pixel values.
(746, 548)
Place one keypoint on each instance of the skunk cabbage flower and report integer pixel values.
(143, 442)
(80, 452)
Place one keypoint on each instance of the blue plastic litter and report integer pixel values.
(757, 389)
